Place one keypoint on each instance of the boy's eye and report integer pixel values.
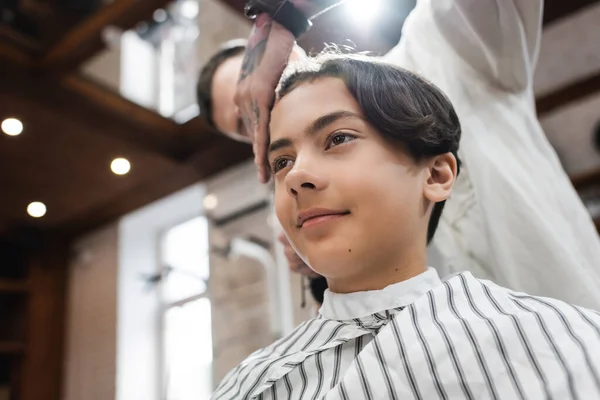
(339, 138)
(280, 163)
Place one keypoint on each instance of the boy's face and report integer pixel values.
(224, 85)
(374, 200)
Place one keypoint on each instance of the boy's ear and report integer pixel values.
(442, 175)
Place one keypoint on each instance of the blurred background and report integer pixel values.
(138, 257)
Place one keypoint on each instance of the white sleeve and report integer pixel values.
(497, 38)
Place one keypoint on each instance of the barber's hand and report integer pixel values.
(294, 261)
(266, 56)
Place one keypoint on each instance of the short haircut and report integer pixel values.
(403, 107)
(228, 50)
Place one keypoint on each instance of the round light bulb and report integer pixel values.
(120, 166)
(160, 15)
(189, 9)
(12, 126)
(366, 12)
(210, 202)
(36, 209)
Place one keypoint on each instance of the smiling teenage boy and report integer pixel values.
(514, 216)
(363, 156)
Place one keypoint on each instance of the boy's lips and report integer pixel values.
(317, 213)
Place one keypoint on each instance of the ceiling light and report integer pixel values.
(12, 126)
(363, 11)
(210, 202)
(111, 36)
(189, 9)
(160, 15)
(36, 209)
(120, 166)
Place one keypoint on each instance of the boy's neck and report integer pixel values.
(377, 279)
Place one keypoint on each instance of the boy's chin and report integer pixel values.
(331, 263)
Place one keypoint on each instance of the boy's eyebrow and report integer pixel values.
(323, 121)
(318, 124)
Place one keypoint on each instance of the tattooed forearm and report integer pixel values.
(257, 44)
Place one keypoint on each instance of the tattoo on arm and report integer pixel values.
(256, 112)
(257, 44)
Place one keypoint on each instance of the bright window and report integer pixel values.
(187, 312)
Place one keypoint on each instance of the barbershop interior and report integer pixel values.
(143, 257)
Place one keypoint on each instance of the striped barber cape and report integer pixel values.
(460, 339)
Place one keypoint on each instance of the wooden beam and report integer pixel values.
(13, 286)
(46, 315)
(122, 118)
(182, 140)
(11, 347)
(9, 53)
(85, 39)
(217, 154)
(108, 99)
(19, 42)
(115, 117)
(193, 136)
(572, 92)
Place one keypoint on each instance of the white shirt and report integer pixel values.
(424, 339)
(514, 216)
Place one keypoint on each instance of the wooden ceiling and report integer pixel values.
(73, 130)
(74, 127)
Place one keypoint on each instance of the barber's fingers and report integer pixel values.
(282, 238)
(264, 81)
(292, 257)
(254, 102)
(243, 100)
(261, 140)
(296, 264)
(305, 270)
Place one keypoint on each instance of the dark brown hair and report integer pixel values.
(229, 49)
(403, 107)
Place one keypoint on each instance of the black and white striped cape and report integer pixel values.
(464, 339)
